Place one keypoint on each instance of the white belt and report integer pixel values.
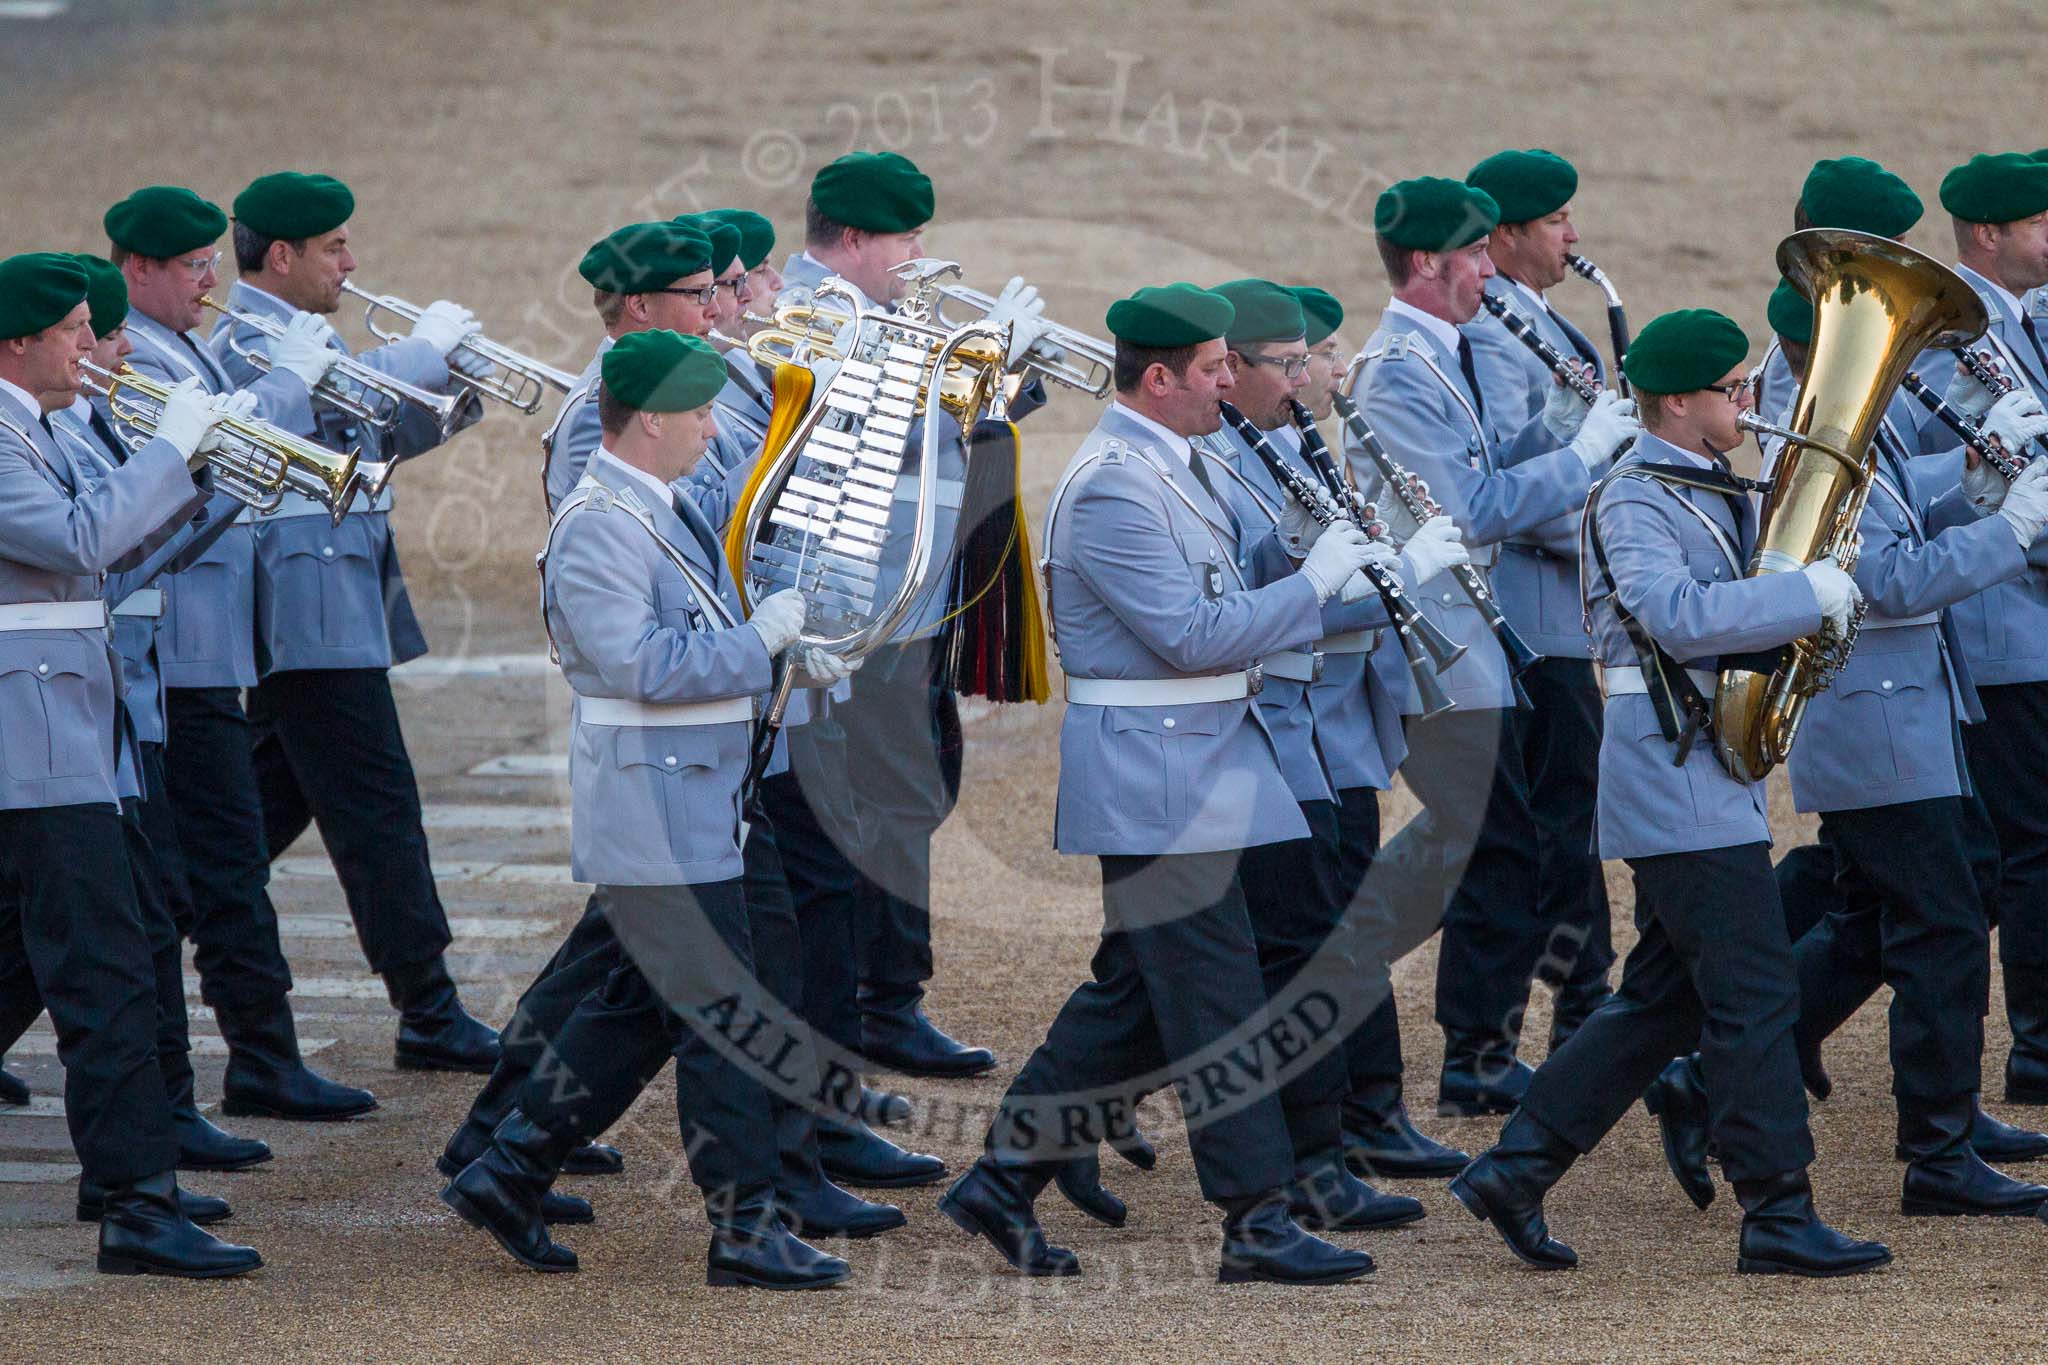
(142, 602)
(1350, 642)
(615, 711)
(1626, 680)
(53, 616)
(1295, 665)
(1164, 691)
(1925, 618)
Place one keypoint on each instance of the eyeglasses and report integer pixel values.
(705, 295)
(1293, 366)
(1734, 392)
(741, 290)
(196, 266)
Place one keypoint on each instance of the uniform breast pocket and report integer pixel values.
(1709, 565)
(1158, 750)
(198, 604)
(48, 726)
(1895, 715)
(676, 605)
(1206, 564)
(325, 577)
(683, 782)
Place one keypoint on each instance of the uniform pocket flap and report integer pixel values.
(1204, 718)
(669, 749)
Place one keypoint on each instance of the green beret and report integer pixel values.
(1169, 316)
(1434, 214)
(1321, 310)
(874, 191)
(1996, 189)
(663, 371)
(38, 289)
(290, 207)
(163, 221)
(644, 256)
(1790, 314)
(1526, 185)
(2041, 155)
(1855, 192)
(725, 238)
(106, 291)
(1263, 311)
(1684, 351)
(757, 234)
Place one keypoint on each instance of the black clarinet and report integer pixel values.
(1617, 320)
(1429, 651)
(1520, 657)
(1969, 428)
(1569, 371)
(1986, 374)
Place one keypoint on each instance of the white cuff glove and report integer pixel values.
(2016, 420)
(303, 348)
(1836, 592)
(1609, 425)
(239, 407)
(1020, 307)
(471, 364)
(1563, 411)
(2025, 508)
(1984, 487)
(443, 325)
(1339, 552)
(1298, 529)
(824, 668)
(188, 415)
(1437, 545)
(778, 619)
(1358, 587)
(1966, 393)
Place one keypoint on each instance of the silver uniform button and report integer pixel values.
(670, 760)
(42, 668)
(327, 552)
(1169, 722)
(1886, 684)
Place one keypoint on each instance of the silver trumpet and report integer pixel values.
(520, 382)
(254, 461)
(1089, 363)
(349, 386)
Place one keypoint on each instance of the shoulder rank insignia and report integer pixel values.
(1396, 346)
(631, 498)
(600, 499)
(1114, 450)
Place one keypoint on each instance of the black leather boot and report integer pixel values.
(501, 1191)
(883, 1107)
(993, 1202)
(1481, 1075)
(750, 1246)
(1136, 1148)
(558, 1209)
(1326, 1197)
(594, 1158)
(854, 1154)
(589, 1158)
(201, 1146)
(1382, 1143)
(895, 1033)
(142, 1232)
(1505, 1187)
(809, 1203)
(2026, 1009)
(1946, 1176)
(200, 1208)
(267, 1079)
(1261, 1242)
(1080, 1180)
(1678, 1099)
(13, 1089)
(1573, 1004)
(1782, 1235)
(1996, 1140)
(434, 1032)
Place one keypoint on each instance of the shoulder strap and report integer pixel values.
(582, 495)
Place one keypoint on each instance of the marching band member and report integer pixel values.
(72, 936)
(1167, 772)
(163, 239)
(333, 617)
(1671, 532)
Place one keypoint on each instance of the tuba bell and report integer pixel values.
(1877, 305)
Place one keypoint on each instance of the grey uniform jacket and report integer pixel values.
(1142, 582)
(1537, 577)
(207, 636)
(1683, 582)
(332, 596)
(653, 805)
(567, 446)
(1413, 393)
(59, 535)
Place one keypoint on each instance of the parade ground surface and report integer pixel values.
(488, 143)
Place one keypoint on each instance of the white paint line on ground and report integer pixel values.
(523, 765)
(463, 926)
(499, 817)
(37, 1172)
(33, 9)
(52, 1107)
(45, 1044)
(517, 874)
(475, 666)
(320, 988)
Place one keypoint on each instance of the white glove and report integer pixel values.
(824, 668)
(1298, 529)
(1564, 412)
(1983, 486)
(227, 406)
(1609, 425)
(303, 349)
(1836, 592)
(778, 619)
(2025, 508)
(443, 325)
(471, 364)
(2016, 420)
(1020, 307)
(1339, 552)
(1966, 393)
(1437, 545)
(1358, 587)
(187, 417)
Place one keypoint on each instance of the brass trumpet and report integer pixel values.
(1089, 363)
(254, 461)
(349, 386)
(521, 381)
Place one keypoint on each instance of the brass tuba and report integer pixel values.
(1877, 305)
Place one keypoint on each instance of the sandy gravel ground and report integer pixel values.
(1093, 150)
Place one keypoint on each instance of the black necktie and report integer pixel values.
(205, 371)
(699, 528)
(1571, 334)
(1198, 466)
(2027, 325)
(117, 449)
(1471, 375)
(57, 464)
